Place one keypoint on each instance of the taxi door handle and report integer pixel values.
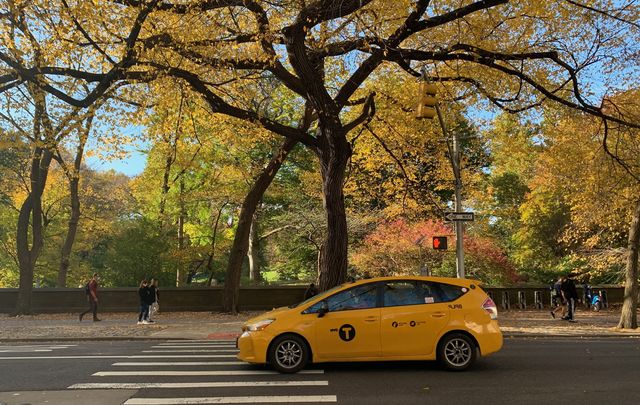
(371, 319)
(438, 314)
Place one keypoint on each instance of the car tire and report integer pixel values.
(288, 354)
(457, 352)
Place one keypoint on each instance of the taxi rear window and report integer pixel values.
(450, 292)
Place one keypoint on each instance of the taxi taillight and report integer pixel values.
(490, 307)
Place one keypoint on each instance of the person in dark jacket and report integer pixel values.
(311, 291)
(145, 300)
(570, 295)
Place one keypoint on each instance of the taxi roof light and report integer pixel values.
(491, 308)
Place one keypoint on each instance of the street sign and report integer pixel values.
(458, 216)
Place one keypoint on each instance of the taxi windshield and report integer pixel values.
(320, 295)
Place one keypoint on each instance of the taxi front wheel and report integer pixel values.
(457, 352)
(288, 354)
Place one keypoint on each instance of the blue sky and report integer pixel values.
(132, 165)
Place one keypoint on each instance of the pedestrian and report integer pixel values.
(145, 300)
(570, 295)
(155, 304)
(311, 291)
(559, 304)
(91, 291)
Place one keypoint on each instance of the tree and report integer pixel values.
(517, 56)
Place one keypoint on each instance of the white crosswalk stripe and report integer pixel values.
(179, 363)
(32, 348)
(197, 373)
(233, 400)
(194, 347)
(192, 351)
(137, 386)
(172, 359)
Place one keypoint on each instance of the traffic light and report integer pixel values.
(440, 242)
(426, 101)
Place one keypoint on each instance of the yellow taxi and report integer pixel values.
(387, 318)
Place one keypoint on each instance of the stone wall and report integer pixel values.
(60, 300)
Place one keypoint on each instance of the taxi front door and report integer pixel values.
(351, 328)
(348, 333)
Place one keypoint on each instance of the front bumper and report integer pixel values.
(253, 347)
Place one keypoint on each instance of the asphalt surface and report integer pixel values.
(526, 371)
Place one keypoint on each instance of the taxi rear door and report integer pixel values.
(411, 319)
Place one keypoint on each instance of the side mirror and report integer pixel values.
(323, 309)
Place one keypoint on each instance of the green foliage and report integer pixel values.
(136, 252)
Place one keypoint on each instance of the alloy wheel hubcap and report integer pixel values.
(458, 352)
(289, 354)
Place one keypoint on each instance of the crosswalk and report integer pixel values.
(205, 372)
(35, 348)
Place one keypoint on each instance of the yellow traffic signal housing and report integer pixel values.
(427, 101)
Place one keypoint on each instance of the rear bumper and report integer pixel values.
(490, 340)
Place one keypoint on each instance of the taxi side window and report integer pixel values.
(431, 293)
(361, 297)
(315, 308)
(399, 293)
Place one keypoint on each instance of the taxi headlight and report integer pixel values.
(260, 325)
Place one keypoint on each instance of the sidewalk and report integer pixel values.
(206, 325)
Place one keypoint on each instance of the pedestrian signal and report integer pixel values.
(426, 101)
(440, 242)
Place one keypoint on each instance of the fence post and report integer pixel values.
(505, 300)
(522, 300)
(537, 300)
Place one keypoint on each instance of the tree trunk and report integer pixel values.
(31, 214)
(241, 240)
(72, 228)
(629, 317)
(213, 244)
(253, 253)
(181, 278)
(333, 255)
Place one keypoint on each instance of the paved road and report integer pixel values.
(526, 371)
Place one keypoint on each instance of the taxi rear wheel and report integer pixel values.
(457, 352)
(288, 354)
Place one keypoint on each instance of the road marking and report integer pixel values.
(184, 356)
(194, 347)
(232, 400)
(183, 363)
(192, 351)
(26, 351)
(199, 341)
(35, 346)
(196, 373)
(139, 386)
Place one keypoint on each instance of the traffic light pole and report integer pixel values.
(454, 154)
